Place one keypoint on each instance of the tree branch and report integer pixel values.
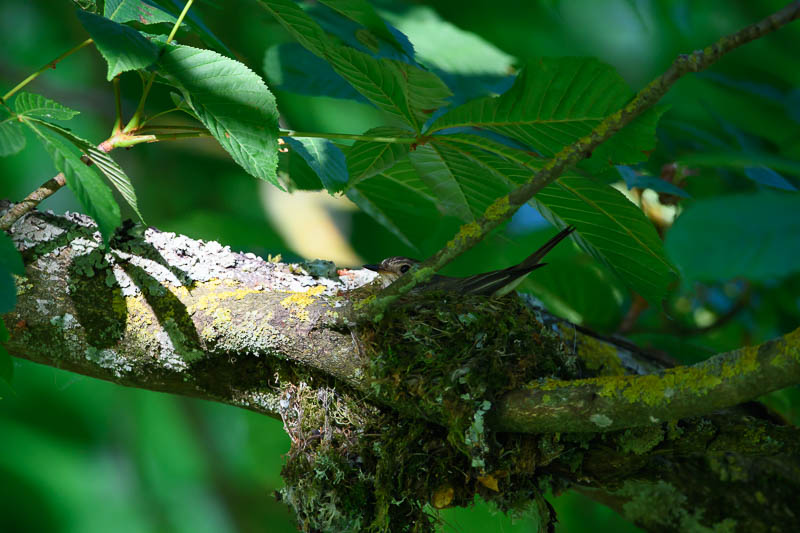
(503, 208)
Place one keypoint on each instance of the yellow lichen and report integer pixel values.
(599, 356)
(297, 302)
(498, 209)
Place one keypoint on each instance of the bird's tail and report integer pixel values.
(533, 260)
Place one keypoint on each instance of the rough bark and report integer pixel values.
(168, 313)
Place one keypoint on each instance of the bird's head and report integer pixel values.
(392, 268)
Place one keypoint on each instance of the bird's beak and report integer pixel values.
(374, 268)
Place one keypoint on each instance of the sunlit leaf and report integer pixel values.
(34, 105)
(755, 236)
(140, 11)
(324, 158)
(122, 47)
(232, 102)
(94, 195)
(612, 229)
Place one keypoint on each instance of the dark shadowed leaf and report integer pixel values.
(643, 181)
(232, 102)
(122, 47)
(361, 11)
(324, 158)
(612, 229)
(755, 236)
(367, 158)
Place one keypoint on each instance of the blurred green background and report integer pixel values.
(81, 455)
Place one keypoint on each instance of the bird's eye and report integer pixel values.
(404, 268)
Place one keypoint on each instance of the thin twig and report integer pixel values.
(503, 208)
(31, 201)
(50, 64)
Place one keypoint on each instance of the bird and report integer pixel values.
(495, 284)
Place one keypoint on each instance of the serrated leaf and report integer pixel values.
(122, 47)
(718, 239)
(399, 200)
(12, 139)
(290, 67)
(140, 11)
(612, 229)
(232, 102)
(402, 90)
(367, 158)
(110, 169)
(94, 195)
(555, 102)
(461, 184)
(34, 105)
(324, 158)
(361, 11)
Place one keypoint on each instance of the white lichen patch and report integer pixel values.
(600, 420)
(109, 359)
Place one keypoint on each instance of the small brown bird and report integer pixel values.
(495, 283)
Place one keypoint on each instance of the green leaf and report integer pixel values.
(755, 236)
(34, 105)
(12, 139)
(110, 169)
(555, 102)
(232, 102)
(361, 11)
(462, 184)
(406, 92)
(122, 47)
(612, 229)
(399, 200)
(10, 263)
(137, 11)
(290, 67)
(442, 45)
(367, 158)
(94, 195)
(324, 158)
(644, 181)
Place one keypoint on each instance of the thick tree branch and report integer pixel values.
(503, 208)
(164, 312)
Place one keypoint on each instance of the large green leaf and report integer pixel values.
(555, 102)
(110, 169)
(462, 184)
(6, 364)
(755, 236)
(122, 47)
(12, 139)
(367, 158)
(612, 229)
(232, 102)
(324, 158)
(399, 200)
(405, 91)
(136, 11)
(94, 195)
(34, 105)
(361, 11)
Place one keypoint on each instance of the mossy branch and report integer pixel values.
(613, 402)
(503, 208)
